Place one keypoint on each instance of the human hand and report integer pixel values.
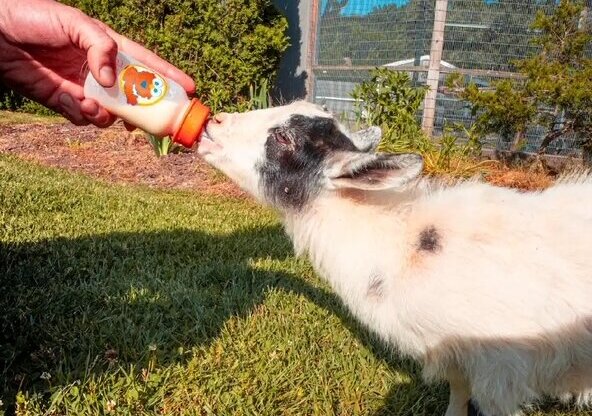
(44, 47)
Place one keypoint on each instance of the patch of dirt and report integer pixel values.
(522, 179)
(114, 155)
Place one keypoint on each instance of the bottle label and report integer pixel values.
(142, 86)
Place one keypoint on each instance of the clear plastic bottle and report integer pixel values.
(149, 101)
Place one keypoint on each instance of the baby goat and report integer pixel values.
(490, 289)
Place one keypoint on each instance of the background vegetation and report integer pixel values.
(555, 91)
(390, 100)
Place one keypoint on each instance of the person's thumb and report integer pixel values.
(101, 49)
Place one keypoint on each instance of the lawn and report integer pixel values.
(120, 299)
(139, 301)
(11, 117)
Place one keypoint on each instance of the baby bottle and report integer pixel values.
(146, 99)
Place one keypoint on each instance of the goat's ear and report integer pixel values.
(373, 171)
(367, 140)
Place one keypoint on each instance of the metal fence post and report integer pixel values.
(429, 106)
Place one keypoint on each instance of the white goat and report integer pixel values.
(489, 288)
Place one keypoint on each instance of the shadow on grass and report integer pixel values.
(119, 296)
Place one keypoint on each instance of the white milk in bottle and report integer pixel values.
(144, 98)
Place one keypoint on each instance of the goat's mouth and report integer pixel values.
(207, 143)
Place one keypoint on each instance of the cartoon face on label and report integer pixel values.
(141, 86)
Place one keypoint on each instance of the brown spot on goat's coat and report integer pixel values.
(430, 240)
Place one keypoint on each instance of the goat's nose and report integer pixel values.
(220, 118)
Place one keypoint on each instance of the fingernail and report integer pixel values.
(107, 75)
(66, 101)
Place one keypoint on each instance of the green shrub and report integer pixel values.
(11, 101)
(226, 46)
(162, 146)
(259, 96)
(389, 100)
(556, 86)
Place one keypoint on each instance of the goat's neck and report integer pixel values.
(350, 240)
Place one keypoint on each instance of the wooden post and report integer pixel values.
(586, 148)
(429, 105)
(312, 48)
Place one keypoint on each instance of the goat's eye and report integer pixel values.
(282, 138)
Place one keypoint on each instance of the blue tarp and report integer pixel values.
(365, 7)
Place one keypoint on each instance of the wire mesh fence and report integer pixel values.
(481, 39)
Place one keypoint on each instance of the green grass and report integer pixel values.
(13, 117)
(129, 301)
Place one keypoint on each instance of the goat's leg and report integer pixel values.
(460, 394)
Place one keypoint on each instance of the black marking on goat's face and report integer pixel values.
(430, 240)
(295, 153)
(375, 287)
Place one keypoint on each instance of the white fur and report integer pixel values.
(506, 306)
(503, 310)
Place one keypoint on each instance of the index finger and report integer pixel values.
(152, 60)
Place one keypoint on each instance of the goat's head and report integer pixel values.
(287, 156)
